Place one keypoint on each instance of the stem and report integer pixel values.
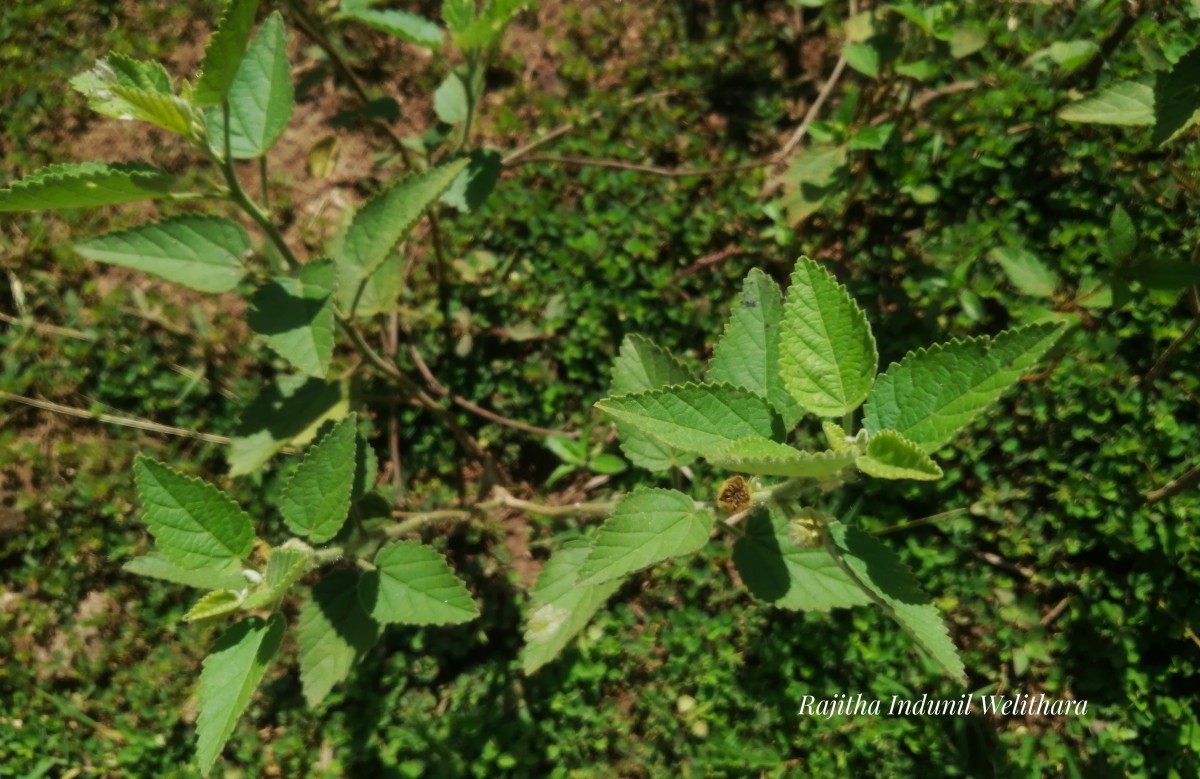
(262, 177)
(243, 201)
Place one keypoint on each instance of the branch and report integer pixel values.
(651, 169)
(1189, 479)
(492, 416)
(111, 419)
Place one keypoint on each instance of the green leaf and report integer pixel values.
(1026, 272)
(224, 53)
(1070, 55)
(125, 88)
(485, 30)
(316, 499)
(863, 57)
(287, 564)
(85, 185)
(158, 566)
(333, 634)
(890, 455)
(366, 468)
(471, 189)
(402, 24)
(835, 436)
(1120, 240)
(965, 41)
(214, 604)
(1166, 274)
(1126, 103)
(1177, 98)
(643, 365)
(458, 14)
(607, 464)
(646, 528)
(451, 102)
(828, 356)
(700, 418)
(195, 524)
(231, 672)
(813, 181)
(413, 585)
(559, 606)
(383, 222)
(295, 317)
(933, 393)
(747, 354)
(872, 137)
(787, 575)
(768, 458)
(881, 571)
(290, 410)
(260, 97)
(203, 253)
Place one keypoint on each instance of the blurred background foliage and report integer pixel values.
(939, 183)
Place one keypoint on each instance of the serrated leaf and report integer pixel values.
(214, 604)
(777, 570)
(333, 634)
(451, 102)
(1125, 103)
(316, 500)
(413, 585)
(827, 358)
(85, 185)
(380, 224)
(645, 528)
(203, 253)
(289, 410)
(643, 365)
(890, 455)
(699, 418)
(1177, 98)
(879, 569)
(747, 355)
(559, 607)
(835, 436)
(1026, 272)
(231, 673)
(471, 189)
(125, 88)
(158, 566)
(767, 458)
(287, 564)
(402, 24)
(194, 524)
(260, 97)
(295, 317)
(933, 393)
(224, 52)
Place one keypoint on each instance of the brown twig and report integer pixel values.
(1188, 479)
(441, 389)
(711, 259)
(1056, 612)
(813, 109)
(514, 156)
(1160, 365)
(112, 419)
(41, 327)
(640, 168)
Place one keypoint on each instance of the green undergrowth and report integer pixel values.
(684, 675)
